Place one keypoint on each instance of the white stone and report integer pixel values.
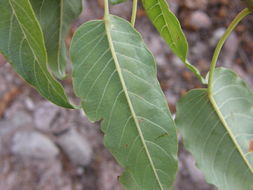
(44, 115)
(196, 175)
(33, 145)
(76, 147)
(200, 20)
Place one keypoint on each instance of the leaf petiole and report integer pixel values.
(106, 9)
(225, 36)
(134, 12)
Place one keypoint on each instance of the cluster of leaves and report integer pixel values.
(114, 74)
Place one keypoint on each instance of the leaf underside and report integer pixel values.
(170, 29)
(55, 17)
(220, 133)
(22, 44)
(115, 77)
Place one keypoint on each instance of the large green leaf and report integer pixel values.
(170, 29)
(55, 17)
(218, 131)
(115, 76)
(22, 43)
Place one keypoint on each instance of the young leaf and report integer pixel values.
(55, 17)
(22, 43)
(217, 130)
(170, 29)
(114, 2)
(168, 26)
(115, 77)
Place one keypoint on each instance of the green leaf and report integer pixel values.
(170, 29)
(168, 26)
(22, 43)
(217, 130)
(55, 17)
(114, 2)
(115, 77)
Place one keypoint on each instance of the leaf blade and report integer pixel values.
(168, 26)
(118, 88)
(170, 29)
(24, 49)
(55, 17)
(220, 140)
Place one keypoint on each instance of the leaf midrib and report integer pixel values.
(230, 133)
(122, 81)
(166, 23)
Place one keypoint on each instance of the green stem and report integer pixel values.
(229, 30)
(134, 12)
(106, 9)
(195, 71)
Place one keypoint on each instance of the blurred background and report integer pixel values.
(44, 147)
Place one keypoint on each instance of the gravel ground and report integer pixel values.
(44, 147)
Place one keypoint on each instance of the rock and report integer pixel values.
(21, 118)
(199, 50)
(196, 4)
(123, 9)
(44, 115)
(1, 148)
(230, 49)
(108, 175)
(5, 128)
(176, 61)
(194, 172)
(216, 36)
(32, 174)
(15, 106)
(64, 120)
(2, 60)
(76, 147)
(200, 20)
(174, 6)
(29, 104)
(33, 145)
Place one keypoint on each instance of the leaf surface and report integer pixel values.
(218, 131)
(55, 17)
(170, 29)
(22, 43)
(115, 76)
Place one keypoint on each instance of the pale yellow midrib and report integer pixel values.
(117, 65)
(224, 123)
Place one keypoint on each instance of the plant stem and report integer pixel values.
(134, 12)
(106, 9)
(217, 51)
(195, 71)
